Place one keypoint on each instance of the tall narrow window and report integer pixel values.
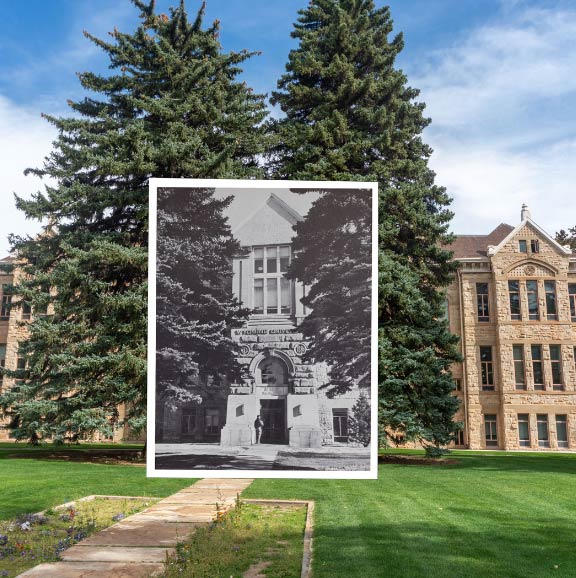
(340, 423)
(284, 258)
(550, 291)
(490, 430)
(556, 365)
(519, 369)
(212, 422)
(2, 360)
(572, 298)
(542, 424)
(6, 301)
(535, 246)
(562, 431)
(271, 259)
(460, 439)
(26, 310)
(272, 290)
(271, 296)
(532, 293)
(20, 367)
(514, 293)
(537, 368)
(285, 298)
(259, 296)
(487, 368)
(259, 260)
(524, 430)
(482, 302)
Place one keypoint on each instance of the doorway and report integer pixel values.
(273, 414)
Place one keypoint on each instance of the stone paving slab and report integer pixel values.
(174, 517)
(92, 570)
(81, 553)
(142, 533)
(138, 545)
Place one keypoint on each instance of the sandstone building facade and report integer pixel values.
(513, 304)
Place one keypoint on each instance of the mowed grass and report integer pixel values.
(491, 515)
(32, 485)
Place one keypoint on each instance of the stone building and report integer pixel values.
(13, 330)
(513, 303)
(278, 385)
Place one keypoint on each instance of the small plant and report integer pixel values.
(31, 539)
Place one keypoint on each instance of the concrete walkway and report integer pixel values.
(136, 547)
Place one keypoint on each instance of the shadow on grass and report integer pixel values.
(217, 462)
(543, 463)
(505, 549)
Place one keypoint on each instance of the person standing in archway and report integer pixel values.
(258, 425)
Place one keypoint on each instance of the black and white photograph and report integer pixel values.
(262, 332)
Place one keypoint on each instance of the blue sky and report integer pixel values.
(498, 78)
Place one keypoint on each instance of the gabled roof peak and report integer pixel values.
(527, 220)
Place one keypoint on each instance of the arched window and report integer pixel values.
(272, 371)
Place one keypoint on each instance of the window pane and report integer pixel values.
(519, 374)
(482, 301)
(487, 368)
(490, 430)
(550, 290)
(522, 246)
(537, 366)
(259, 260)
(556, 363)
(340, 424)
(271, 295)
(532, 290)
(285, 296)
(271, 260)
(542, 424)
(572, 297)
(535, 246)
(562, 431)
(514, 293)
(523, 430)
(259, 296)
(284, 259)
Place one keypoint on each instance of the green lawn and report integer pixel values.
(31, 485)
(491, 515)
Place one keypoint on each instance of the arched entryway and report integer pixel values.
(271, 376)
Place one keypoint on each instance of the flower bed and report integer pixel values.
(32, 539)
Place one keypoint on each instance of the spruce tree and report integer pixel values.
(332, 256)
(195, 309)
(350, 115)
(359, 422)
(171, 107)
(567, 237)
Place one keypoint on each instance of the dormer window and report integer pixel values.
(272, 291)
(523, 246)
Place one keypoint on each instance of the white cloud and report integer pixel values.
(503, 107)
(25, 139)
(489, 185)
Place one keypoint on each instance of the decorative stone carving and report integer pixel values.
(245, 350)
(300, 349)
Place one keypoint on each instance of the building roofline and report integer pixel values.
(528, 221)
(279, 205)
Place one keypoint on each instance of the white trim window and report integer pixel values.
(272, 291)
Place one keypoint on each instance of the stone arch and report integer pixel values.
(272, 354)
(531, 268)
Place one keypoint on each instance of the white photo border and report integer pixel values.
(151, 470)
